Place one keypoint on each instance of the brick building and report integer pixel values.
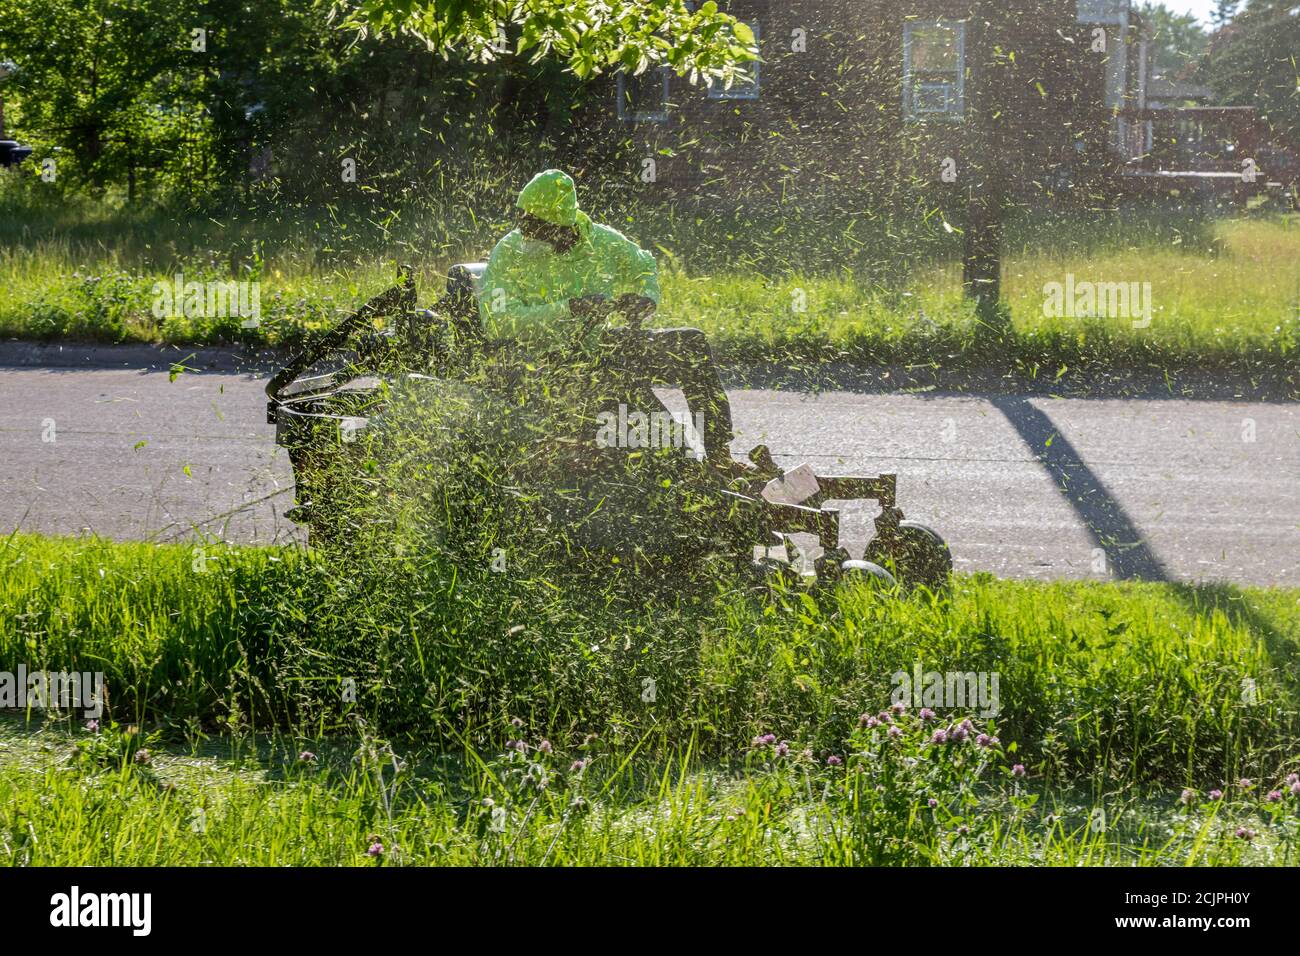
(899, 98)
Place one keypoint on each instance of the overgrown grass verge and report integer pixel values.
(1114, 683)
(719, 729)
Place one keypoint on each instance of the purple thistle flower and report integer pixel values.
(1293, 779)
(1245, 783)
(939, 737)
(833, 761)
(768, 739)
(376, 849)
(863, 718)
(577, 766)
(984, 740)
(963, 829)
(895, 731)
(142, 757)
(783, 748)
(306, 757)
(884, 717)
(1295, 789)
(544, 746)
(959, 733)
(900, 708)
(1018, 770)
(926, 714)
(932, 803)
(1187, 797)
(516, 723)
(1215, 794)
(93, 726)
(1245, 833)
(872, 723)
(521, 746)
(1274, 796)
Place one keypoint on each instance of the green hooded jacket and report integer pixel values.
(527, 286)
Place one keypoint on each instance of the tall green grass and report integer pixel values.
(1103, 682)
(489, 727)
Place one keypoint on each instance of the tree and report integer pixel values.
(98, 79)
(1177, 39)
(590, 36)
(1223, 12)
(1256, 62)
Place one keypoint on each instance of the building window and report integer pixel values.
(934, 70)
(643, 97)
(738, 90)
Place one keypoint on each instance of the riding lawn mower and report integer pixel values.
(749, 515)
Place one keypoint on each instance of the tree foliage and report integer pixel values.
(591, 36)
(102, 81)
(1256, 62)
(187, 96)
(1177, 39)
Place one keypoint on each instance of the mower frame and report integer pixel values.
(314, 414)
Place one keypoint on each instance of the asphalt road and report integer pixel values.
(1022, 486)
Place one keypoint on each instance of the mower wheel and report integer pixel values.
(866, 571)
(918, 556)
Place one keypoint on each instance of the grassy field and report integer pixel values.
(471, 741)
(1224, 293)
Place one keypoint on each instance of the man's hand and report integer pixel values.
(588, 305)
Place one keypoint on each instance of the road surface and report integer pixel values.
(1021, 486)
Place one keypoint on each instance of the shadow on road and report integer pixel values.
(1127, 555)
(982, 381)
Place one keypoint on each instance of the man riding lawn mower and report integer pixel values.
(528, 337)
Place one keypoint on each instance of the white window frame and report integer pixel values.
(955, 93)
(642, 116)
(747, 91)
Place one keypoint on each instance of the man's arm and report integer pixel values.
(642, 273)
(502, 301)
(629, 268)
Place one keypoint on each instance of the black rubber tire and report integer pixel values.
(866, 571)
(922, 559)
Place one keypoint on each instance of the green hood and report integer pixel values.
(552, 197)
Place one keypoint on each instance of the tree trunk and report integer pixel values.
(985, 202)
(982, 265)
